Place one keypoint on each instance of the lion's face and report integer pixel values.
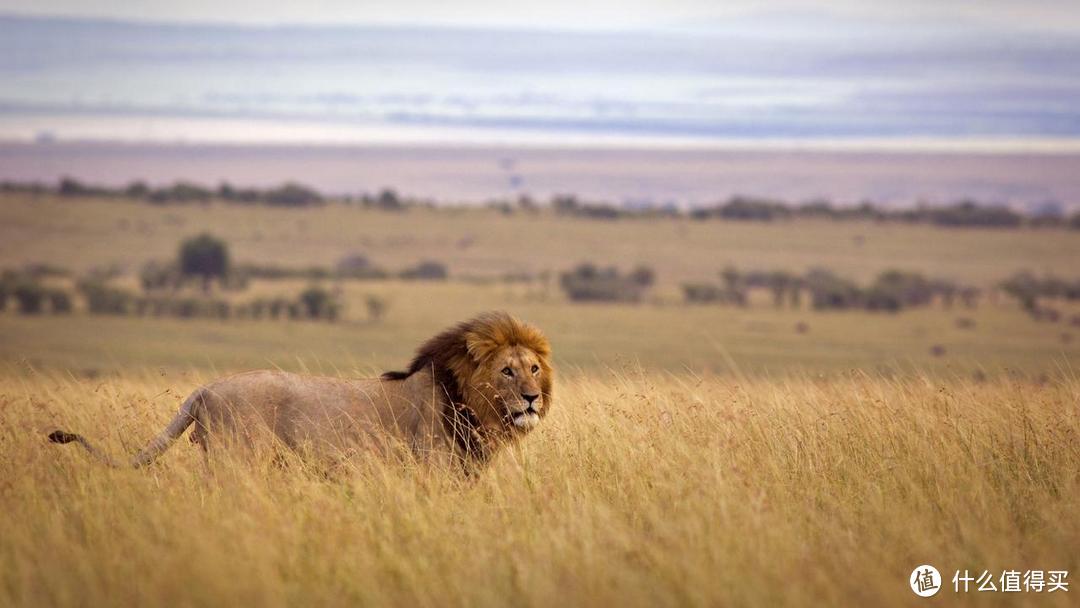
(514, 382)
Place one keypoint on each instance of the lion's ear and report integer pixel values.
(479, 346)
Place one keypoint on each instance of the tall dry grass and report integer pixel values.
(639, 489)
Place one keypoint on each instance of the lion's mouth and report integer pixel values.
(525, 419)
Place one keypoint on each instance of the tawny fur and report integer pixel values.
(469, 390)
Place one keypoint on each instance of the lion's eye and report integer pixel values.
(509, 373)
(535, 368)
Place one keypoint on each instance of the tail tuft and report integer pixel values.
(62, 437)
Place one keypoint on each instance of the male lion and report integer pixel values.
(468, 391)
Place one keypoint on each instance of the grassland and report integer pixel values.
(641, 488)
(697, 455)
(701, 339)
(83, 233)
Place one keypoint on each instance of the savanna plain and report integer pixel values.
(696, 455)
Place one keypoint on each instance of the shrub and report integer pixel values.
(895, 289)
(1025, 288)
(104, 299)
(425, 271)
(315, 301)
(59, 302)
(292, 195)
(181, 192)
(388, 201)
(589, 283)
(277, 307)
(358, 266)
(30, 297)
(293, 309)
(702, 293)
(70, 186)
(137, 189)
(258, 308)
(156, 275)
(185, 308)
(220, 309)
(643, 276)
(828, 291)
(969, 213)
(880, 298)
(744, 208)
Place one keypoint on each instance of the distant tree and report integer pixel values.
(731, 278)
(70, 186)
(896, 289)
(426, 271)
(205, 257)
(30, 297)
(565, 204)
(643, 276)
(230, 194)
(828, 291)
(59, 301)
(970, 296)
(746, 208)
(137, 189)
(388, 201)
(589, 283)
(292, 195)
(970, 213)
(358, 266)
(104, 299)
(317, 303)
(1025, 288)
(780, 283)
(181, 192)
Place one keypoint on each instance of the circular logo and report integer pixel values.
(925, 580)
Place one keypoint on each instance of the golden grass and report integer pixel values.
(83, 233)
(675, 337)
(641, 488)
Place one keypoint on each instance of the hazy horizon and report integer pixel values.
(831, 79)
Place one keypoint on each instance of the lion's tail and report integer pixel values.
(183, 419)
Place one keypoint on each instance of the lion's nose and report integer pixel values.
(530, 398)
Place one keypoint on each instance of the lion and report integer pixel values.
(469, 391)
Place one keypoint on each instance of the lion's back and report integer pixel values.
(301, 409)
(289, 405)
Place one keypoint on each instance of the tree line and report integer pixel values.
(963, 213)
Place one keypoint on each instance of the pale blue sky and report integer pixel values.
(600, 14)
(674, 71)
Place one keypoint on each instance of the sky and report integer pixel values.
(986, 73)
(573, 14)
